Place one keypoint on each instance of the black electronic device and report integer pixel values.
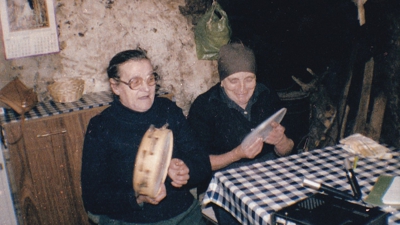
(328, 210)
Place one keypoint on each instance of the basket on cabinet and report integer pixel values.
(68, 90)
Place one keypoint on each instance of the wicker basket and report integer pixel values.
(68, 90)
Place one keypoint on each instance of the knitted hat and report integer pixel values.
(233, 58)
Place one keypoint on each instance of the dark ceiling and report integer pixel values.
(289, 36)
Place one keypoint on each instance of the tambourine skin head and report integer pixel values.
(152, 161)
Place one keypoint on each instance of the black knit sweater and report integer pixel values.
(109, 153)
(222, 128)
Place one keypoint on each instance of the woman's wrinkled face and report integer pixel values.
(239, 87)
(142, 98)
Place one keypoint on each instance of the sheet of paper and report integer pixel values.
(392, 195)
(379, 188)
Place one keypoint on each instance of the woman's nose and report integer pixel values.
(144, 86)
(242, 87)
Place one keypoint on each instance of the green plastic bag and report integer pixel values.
(212, 32)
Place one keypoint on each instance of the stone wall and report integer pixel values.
(92, 31)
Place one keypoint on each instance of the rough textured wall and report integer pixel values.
(92, 31)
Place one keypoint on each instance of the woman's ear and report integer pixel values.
(114, 86)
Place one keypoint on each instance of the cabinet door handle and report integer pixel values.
(54, 133)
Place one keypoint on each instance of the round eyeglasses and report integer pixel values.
(136, 82)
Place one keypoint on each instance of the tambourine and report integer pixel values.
(152, 161)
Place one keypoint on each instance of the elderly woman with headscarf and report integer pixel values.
(230, 110)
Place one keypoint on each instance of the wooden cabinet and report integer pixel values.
(7, 212)
(45, 166)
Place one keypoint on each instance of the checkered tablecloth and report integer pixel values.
(49, 108)
(252, 193)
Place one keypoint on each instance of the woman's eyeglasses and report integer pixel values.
(135, 82)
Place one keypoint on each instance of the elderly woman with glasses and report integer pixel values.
(111, 145)
(225, 114)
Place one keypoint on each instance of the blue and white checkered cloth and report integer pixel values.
(252, 193)
(49, 108)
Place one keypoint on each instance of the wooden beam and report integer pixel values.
(343, 108)
(378, 112)
(362, 113)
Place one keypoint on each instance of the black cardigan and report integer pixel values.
(109, 153)
(222, 128)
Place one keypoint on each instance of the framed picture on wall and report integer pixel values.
(29, 28)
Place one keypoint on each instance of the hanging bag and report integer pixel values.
(212, 32)
(17, 96)
(20, 98)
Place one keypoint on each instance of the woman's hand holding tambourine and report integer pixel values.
(154, 201)
(178, 172)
